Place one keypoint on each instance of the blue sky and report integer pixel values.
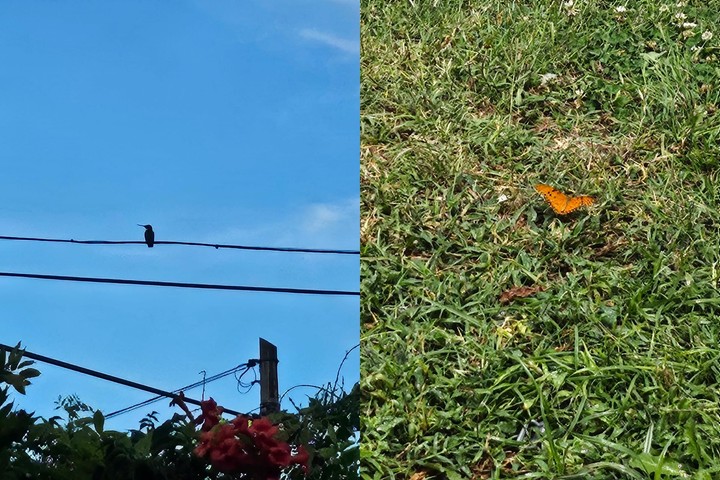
(214, 121)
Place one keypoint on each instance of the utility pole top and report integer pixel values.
(269, 401)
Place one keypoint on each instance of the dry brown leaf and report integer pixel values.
(519, 292)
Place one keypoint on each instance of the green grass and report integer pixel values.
(619, 354)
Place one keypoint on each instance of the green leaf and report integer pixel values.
(30, 373)
(98, 421)
(652, 463)
(652, 56)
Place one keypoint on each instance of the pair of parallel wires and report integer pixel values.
(235, 370)
(249, 288)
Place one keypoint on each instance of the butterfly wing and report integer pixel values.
(561, 203)
(577, 202)
(558, 201)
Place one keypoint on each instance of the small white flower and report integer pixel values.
(547, 77)
(680, 16)
(694, 47)
(502, 198)
(707, 35)
(569, 3)
(680, 4)
(620, 9)
(689, 25)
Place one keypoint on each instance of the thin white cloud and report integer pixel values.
(317, 225)
(349, 46)
(321, 217)
(326, 216)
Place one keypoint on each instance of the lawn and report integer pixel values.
(501, 339)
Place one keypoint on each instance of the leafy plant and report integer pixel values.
(78, 446)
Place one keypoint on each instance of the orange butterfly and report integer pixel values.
(563, 204)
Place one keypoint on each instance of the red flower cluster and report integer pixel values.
(245, 445)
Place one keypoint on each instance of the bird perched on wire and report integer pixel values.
(149, 235)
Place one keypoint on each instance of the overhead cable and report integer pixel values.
(177, 391)
(303, 291)
(105, 376)
(166, 242)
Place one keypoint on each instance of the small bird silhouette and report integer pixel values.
(149, 235)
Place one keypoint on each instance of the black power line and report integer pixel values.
(305, 291)
(185, 388)
(110, 378)
(214, 245)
